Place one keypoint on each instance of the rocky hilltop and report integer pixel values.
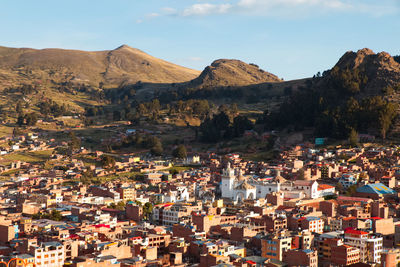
(230, 72)
(378, 70)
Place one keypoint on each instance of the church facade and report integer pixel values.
(236, 187)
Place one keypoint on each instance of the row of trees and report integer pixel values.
(139, 140)
(331, 104)
(248, 93)
(220, 127)
(51, 107)
(348, 81)
(361, 115)
(28, 119)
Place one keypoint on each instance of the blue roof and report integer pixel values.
(379, 189)
(51, 244)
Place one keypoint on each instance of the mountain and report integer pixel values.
(361, 92)
(378, 70)
(230, 72)
(112, 67)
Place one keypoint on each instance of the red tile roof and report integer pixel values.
(324, 187)
(355, 232)
(101, 225)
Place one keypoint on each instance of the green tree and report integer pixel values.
(119, 206)
(180, 152)
(107, 162)
(240, 125)
(234, 109)
(213, 130)
(300, 174)
(21, 120)
(31, 119)
(157, 149)
(16, 131)
(339, 187)
(18, 107)
(147, 210)
(28, 119)
(353, 138)
(117, 115)
(55, 215)
(351, 190)
(75, 142)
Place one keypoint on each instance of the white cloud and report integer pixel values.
(284, 8)
(152, 15)
(195, 59)
(291, 7)
(206, 9)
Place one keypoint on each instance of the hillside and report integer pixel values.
(376, 71)
(112, 67)
(77, 78)
(361, 92)
(230, 72)
(223, 80)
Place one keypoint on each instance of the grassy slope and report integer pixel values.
(32, 157)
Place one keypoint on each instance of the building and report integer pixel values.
(126, 193)
(181, 194)
(345, 255)
(272, 247)
(306, 257)
(390, 257)
(170, 214)
(348, 179)
(49, 254)
(313, 224)
(326, 190)
(370, 246)
(236, 188)
(374, 191)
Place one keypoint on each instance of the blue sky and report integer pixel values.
(290, 38)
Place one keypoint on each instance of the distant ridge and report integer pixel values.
(111, 67)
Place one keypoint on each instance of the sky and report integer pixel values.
(290, 38)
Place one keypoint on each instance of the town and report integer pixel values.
(313, 206)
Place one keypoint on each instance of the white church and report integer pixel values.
(238, 187)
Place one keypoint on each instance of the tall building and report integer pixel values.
(298, 257)
(272, 247)
(370, 245)
(49, 254)
(345, 255)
